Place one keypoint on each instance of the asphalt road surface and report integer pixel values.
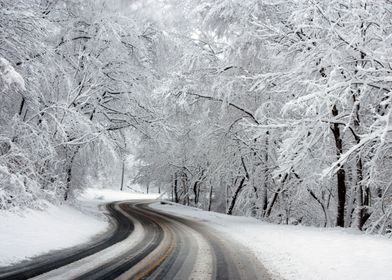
(145, 243)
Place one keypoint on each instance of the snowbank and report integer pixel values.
(58, 227)
(38, 232)
(295, 252)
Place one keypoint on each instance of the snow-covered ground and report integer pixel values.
(108, 195)
(289, 252)
(302, 253)
(37, 232)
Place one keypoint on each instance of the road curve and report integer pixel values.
(147, 244)
(121, 228)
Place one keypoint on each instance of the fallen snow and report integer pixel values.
(36, 232)
(108, 195)
(302, 253)
(289, 252)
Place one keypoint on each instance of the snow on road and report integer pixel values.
(35, 232)
(302, 253)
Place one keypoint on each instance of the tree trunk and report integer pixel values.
(196, 187)
(238, 189)
(271, 203)
(68, 182)
(175, 188)
(235, 196)
(266, 175)
(265, 199)
(122, 176)
(184, 180)
(22, 103)
(69, 173)
(321, 204)
(210, 198)
(196, 193)
(363, 196)
(341, 174)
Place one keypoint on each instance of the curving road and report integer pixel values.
(146, 244)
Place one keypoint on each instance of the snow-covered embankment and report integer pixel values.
(298, 252)
(36, 232)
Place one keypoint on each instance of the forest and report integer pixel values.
(279, 110)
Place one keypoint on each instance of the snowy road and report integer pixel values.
(147, 244)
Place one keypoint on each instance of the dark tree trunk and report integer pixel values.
(196, 187)
(69, 173)
(235, 196)
(272, 203)
(122, 176)
(68, 182)
(239, 188)
(363, 196)
(210, 198)
(266, 175)
(274, 198)
(22, 103)
(362, 191)
(341, 198)
(196, 192)
(175, 188)
(341, 174)
(265, 199)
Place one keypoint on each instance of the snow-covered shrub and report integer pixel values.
(8, 75)
(29, 168)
